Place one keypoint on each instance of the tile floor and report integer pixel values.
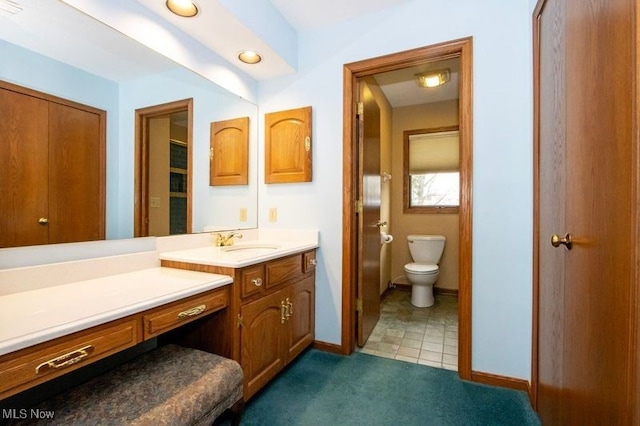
(420, 335)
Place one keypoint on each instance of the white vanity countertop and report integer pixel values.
(31, 317)
(241, 253)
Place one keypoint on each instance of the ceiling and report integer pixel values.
(105, 52)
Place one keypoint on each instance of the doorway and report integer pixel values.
(352, 73)
(163, 171)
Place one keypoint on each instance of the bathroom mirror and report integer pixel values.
(91, 63)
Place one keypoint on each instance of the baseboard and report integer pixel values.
(436, 290)
(446, 291)
(502, 381)
(328, 347)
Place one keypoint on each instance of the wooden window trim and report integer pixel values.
(406, 180)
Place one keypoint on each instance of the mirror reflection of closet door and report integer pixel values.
(52, 169)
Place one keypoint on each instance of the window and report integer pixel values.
(432, 170)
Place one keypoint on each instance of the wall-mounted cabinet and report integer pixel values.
(288, 146)
(229, 152)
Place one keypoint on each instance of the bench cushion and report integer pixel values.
(170, 385)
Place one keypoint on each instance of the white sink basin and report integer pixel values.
(252, 247)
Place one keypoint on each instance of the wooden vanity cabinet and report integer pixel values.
(270, 318)
(274, 330)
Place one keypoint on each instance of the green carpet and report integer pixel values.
(321, 388)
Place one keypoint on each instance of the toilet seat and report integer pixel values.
(421, 268)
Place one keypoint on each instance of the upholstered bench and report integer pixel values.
(170, 385)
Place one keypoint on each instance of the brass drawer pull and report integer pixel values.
(289, 308)
(192, 312)
(257, 282)
(66, 359)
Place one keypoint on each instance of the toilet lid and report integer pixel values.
(421, 268)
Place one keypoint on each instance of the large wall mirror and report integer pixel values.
(92, 64)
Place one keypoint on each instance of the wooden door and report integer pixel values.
(229, 152)
(551, 195)
(76, 175)
(24, 164)
(288, 146)
(368, 292)
(262, 340)
(301, 322)
(587, 154)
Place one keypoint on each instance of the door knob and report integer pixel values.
(43, 221)
(557, 240)
(380, 223)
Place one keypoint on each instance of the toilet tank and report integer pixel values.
(426, 248)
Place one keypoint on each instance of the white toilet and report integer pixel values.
(423, 272)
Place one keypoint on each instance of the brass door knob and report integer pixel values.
(43, 221)
(556, 241)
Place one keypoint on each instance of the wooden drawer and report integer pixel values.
(309, 261)
(252, 280)
(28, 367)
(176, 314)
(282, 270)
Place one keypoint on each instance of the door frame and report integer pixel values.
(141, 173)
(351, 72)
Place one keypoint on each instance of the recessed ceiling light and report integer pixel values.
(184, 8)
(249, 57)
(433, 78)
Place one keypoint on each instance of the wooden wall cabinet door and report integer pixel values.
(288, 146)
(229, 152)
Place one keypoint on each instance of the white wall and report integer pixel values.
(502, 178)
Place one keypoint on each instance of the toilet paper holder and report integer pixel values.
(385, 238)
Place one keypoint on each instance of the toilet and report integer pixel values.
(423, 272)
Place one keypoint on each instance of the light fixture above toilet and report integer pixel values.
(433, 78)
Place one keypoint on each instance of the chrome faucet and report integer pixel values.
(226, 240)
